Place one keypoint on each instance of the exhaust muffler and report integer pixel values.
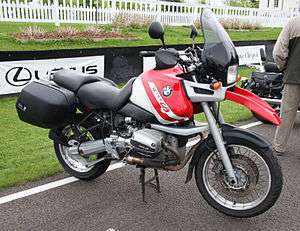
(150, 163)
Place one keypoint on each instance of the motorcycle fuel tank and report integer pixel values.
(161, 93)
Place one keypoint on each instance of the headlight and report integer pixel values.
(232, 74)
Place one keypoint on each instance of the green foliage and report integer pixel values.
(202, 1)
(244, 3)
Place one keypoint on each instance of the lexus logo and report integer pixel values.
(18, 76)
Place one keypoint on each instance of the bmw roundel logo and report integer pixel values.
(167, 91)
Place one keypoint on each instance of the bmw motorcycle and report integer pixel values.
(149, 123)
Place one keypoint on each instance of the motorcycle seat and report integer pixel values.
(102, 95)
(72, 80)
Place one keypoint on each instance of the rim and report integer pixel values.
(76, 162)
(253, 175)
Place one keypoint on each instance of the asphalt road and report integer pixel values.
(113, 202)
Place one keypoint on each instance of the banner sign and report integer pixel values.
(118, 66)
(15, 75)
(247, 55)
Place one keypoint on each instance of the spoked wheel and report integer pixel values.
(258, 186)
(78, 165)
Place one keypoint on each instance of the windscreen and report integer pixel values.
(219, 52)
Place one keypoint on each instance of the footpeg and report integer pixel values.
(149, 182)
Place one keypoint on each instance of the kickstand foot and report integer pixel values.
(149, 182)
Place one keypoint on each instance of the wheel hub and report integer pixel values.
(75, 161)
(241, 179)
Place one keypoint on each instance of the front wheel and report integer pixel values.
(259, 180)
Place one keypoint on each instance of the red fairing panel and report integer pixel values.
(158, 85)
(254, 103)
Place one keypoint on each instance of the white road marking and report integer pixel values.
(69, 180)
(246, 126)
(48, 186)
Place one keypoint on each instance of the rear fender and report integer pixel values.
(254, 103)
(230, 135)
(57, 136)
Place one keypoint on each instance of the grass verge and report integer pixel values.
(26, 153)
(173, 35)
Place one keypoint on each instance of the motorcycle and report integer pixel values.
(267, 83)
(149, 123)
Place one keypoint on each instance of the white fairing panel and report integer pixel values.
(139, 97)
(217, 95)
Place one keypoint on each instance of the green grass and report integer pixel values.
(245, 71)
(232, 112)
(26, 153)
(173, 35)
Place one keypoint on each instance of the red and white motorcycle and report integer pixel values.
(150, 123)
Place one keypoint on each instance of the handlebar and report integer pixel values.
(147, 53)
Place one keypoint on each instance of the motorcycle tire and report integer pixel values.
(235, 207)
(83, 173)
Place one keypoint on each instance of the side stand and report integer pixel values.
(149, 182)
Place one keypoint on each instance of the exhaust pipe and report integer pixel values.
(88, 148)
(150, 163)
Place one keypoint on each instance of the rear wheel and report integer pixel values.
(77, 165)
(259, 180)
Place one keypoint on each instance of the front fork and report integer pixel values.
(216, 134)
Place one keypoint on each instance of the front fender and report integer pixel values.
(254, 103)
(230, 135)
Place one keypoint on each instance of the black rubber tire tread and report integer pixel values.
(276, 184)
(99, 168)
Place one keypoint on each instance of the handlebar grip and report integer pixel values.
(147, 53)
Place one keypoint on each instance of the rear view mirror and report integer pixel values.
(263, 55)
(156, 31)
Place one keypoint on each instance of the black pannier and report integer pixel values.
(46, 105)
(266, 85)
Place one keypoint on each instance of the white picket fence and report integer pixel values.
(103, 12)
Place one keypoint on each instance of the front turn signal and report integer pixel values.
(238, 78)
(216, 85)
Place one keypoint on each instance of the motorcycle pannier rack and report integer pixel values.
(46, 105)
